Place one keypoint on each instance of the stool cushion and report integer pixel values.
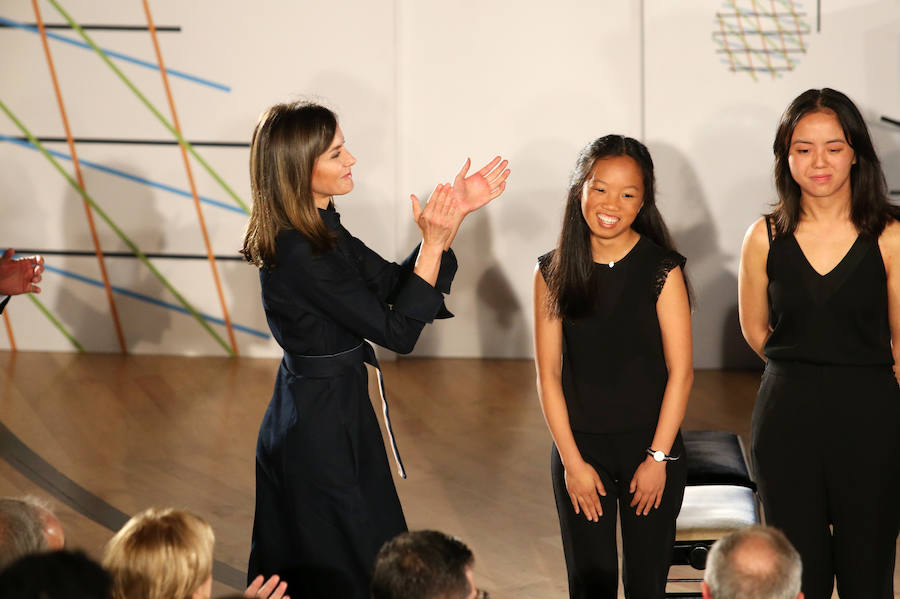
(715, 458)
(710, 512)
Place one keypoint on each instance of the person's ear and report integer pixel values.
(704, 589)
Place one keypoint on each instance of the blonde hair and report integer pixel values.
(160, 554)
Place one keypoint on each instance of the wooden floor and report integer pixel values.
(105, 436)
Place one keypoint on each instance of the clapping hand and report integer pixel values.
(439, 219)
(261, 588)
(20, 275)
(474, 191)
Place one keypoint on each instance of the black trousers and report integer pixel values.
(325, 499)
(826, 447)
(590, 547)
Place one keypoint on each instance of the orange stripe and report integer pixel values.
(12, 340)
(190, 176)
(787, 60)
(87, 208)
(725, 40)
(762, 39)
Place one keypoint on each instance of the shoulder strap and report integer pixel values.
(769, 231)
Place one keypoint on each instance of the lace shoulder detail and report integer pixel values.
(668, 262)
(545, 262)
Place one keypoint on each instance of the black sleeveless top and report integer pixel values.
(614, 371)
(839, 318)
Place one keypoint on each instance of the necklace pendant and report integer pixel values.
(612, 263)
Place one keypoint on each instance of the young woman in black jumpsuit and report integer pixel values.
(613, 357)
(820, 302)
(325, 499)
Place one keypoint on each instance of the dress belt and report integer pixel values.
(341, 363)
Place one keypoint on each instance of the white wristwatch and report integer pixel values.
(660, 456)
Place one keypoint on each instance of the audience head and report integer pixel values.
(287, 141)
(161, 554)
(55, 575)
(27, 526)
(757, 562)
(424, 564)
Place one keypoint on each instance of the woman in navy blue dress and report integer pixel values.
(325, 498)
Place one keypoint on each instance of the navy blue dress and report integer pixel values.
(325, 498)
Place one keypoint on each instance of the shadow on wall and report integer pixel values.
(84, 308)
(501, 325)
(718, 341)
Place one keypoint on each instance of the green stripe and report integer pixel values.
(186, 144)
(134, 248)
(58, 324)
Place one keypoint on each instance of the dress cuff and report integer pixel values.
(419, 300)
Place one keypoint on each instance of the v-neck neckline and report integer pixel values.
(839, 262)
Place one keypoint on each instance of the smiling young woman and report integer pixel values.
(325, 499)
(612, 338)
(819, 299)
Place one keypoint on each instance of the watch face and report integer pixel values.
(659, 456)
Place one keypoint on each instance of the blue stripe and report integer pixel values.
(153, 300)
(125, 175)
(120, 56)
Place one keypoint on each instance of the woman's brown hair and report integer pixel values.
(286, 142)
(870, 208)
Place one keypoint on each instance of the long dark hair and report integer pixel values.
(286, 142)
(870, 209)
(569, 272)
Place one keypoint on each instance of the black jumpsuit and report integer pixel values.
(325, 499)
(614, 375)
(826, 424)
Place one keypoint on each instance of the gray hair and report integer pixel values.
(757, 562)
(21, 528)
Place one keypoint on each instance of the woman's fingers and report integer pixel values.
(416, 208)
(574, 500)
(588, 509)
(489, 166)
(498, 171)
(463, 172)
(496, 191)
(598, 508)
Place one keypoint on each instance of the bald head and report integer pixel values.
(757, 562)
(27, 526)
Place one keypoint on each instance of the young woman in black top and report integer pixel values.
(820, 303)
(325, 499)
(613, 358)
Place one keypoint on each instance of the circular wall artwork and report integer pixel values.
(762, 38)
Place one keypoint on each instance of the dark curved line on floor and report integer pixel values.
(43, 474)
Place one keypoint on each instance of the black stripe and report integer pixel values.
(137, 142)
(165, 28)
(895, 192)
(891, 121)
(40, 472)
(163, 256)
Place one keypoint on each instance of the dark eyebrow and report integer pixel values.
(830, 141)
(595, 180)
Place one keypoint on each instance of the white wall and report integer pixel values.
(419, 86)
